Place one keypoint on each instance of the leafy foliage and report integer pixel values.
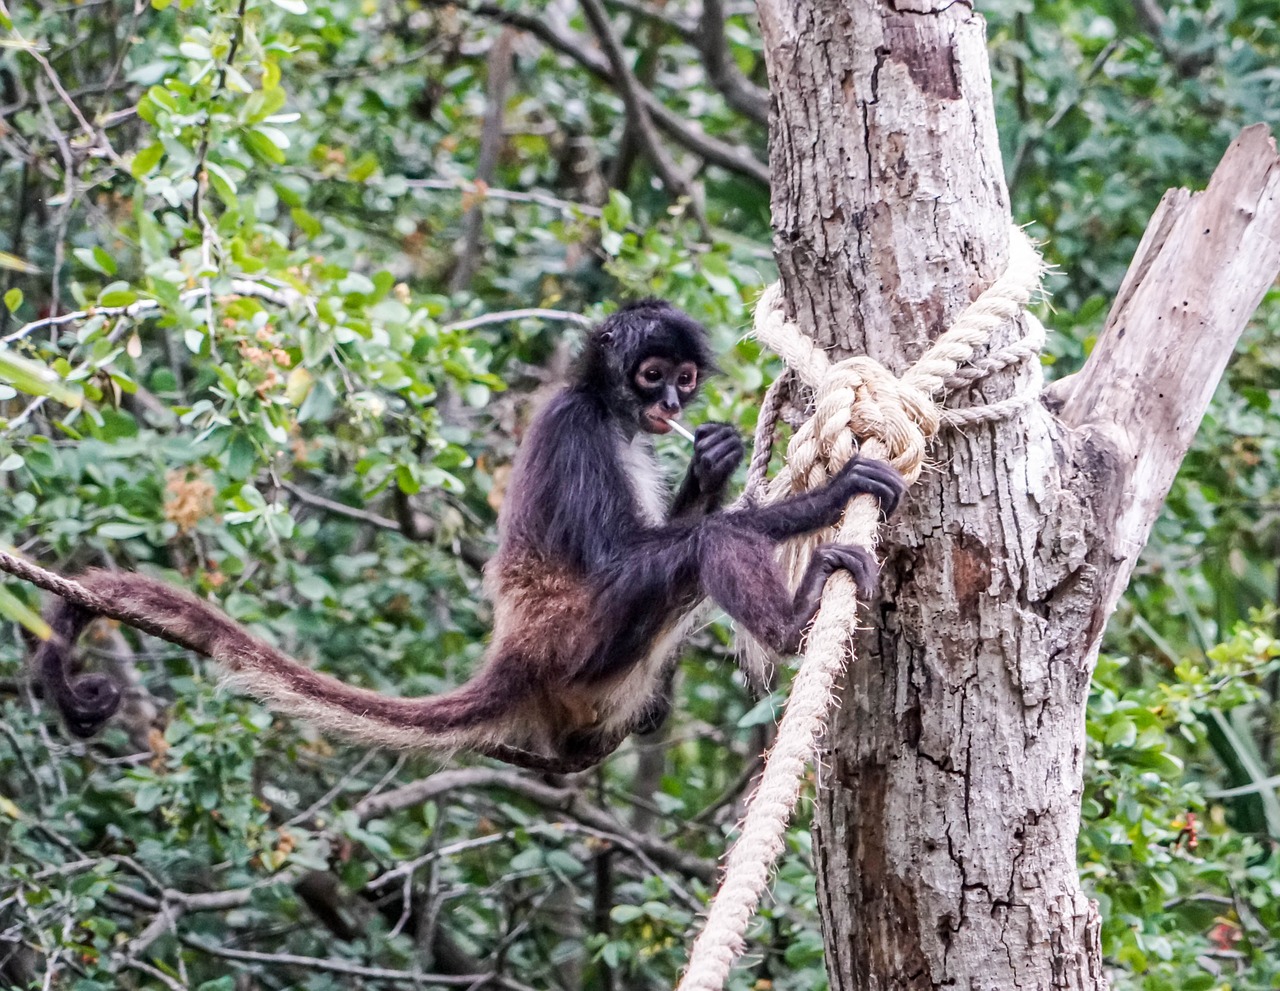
(264, 265)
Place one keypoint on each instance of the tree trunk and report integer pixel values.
(949, 806)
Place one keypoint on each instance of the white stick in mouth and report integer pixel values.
(680, 430)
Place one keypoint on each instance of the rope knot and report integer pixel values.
(888, 409)
(859, 400)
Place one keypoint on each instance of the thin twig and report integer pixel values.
(89, 130)
(532, 312)
(567, 801)
(282, 296)
(338, 787)
(331, 966)
(471, 552)
(154, 972)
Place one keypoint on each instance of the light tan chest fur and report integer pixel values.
(646, 478)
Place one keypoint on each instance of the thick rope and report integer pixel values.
(857, 402)
(766, 433)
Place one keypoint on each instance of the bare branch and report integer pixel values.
(98, 139)
(424, 528)
(1204, 264)
(686, 27)
(332, 966)
(632, 96)
(500, 64)
(510, 195)
(735, 158)
(742, 94)
(155, 973)
(533, 312)
(341, 508)
(568, 801)
(283, 296)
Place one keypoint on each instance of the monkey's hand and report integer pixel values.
(877, 478)
(717, 451)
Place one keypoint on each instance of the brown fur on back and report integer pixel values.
(540, 631)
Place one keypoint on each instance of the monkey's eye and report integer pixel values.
(652, 375)
(686, 380)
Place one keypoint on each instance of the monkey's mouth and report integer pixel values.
(657, 422)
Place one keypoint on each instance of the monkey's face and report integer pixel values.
(663, 387)
(646, 363)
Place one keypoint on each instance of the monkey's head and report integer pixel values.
(646, 362)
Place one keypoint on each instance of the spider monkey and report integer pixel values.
(593, 581)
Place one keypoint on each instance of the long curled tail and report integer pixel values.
(469, 717)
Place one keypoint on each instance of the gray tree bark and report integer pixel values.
(949, 808)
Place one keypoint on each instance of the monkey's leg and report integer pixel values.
(86, 701)
(658, 708)
(822, 507)
(738, 571)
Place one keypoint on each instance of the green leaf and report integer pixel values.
(34, 379)
(292, 6)
(16, 264)
(146, 160)
(363, 168)
(622, 914)
(13, 299)
(117, 294)
(1122, 733)
(406, 481)
(121, 531)
(262, 147)
(14, 608)
(242, 456)
(308, 224)
(11, 607)
(221, 181)
(763, 713)
(297, 386)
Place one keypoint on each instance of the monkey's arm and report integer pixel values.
(717, 451)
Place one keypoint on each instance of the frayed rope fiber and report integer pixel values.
(859, 407)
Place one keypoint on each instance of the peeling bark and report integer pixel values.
(948, 815)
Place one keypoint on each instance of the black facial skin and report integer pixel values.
(585, 582)
(663, 388)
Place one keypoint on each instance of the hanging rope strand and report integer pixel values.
(857, 400)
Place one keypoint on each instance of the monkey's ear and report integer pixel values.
(605, 337)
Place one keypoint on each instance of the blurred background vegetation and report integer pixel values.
(272, 250)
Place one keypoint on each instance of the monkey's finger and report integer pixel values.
(725, 447)
(870, 469)
(858, 562)
(886, 474)
(885, 491)
(710, 433)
